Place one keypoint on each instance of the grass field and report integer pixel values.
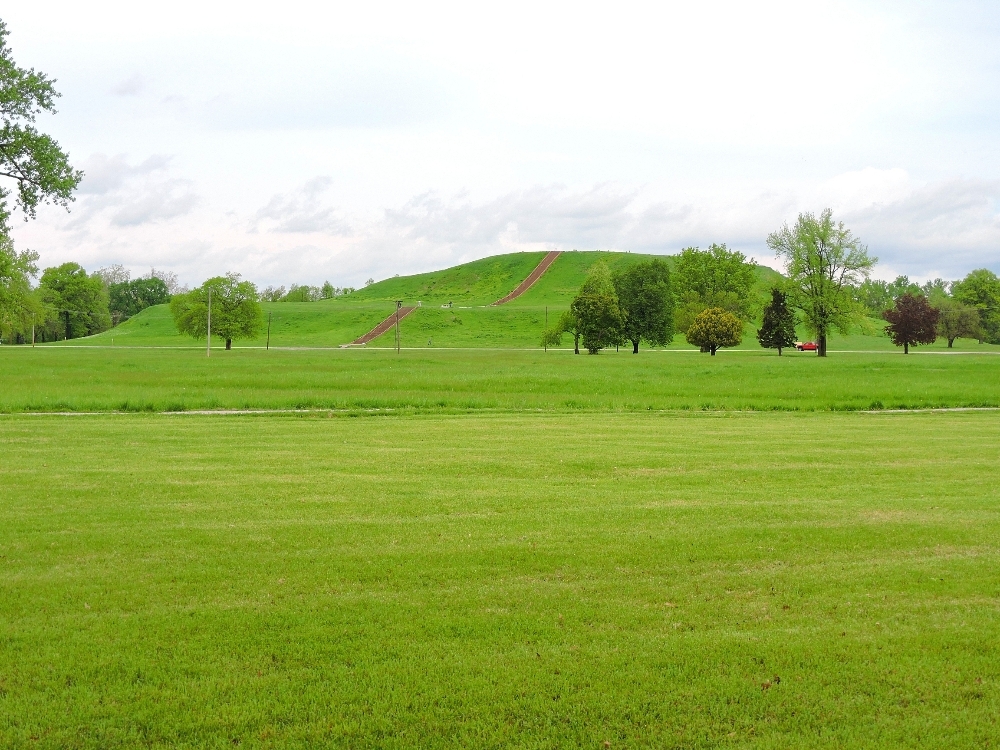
(92, 379)
(500, 580)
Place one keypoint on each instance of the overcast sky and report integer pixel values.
(299, 142)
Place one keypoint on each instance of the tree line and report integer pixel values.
(709, 296)
(68, 302)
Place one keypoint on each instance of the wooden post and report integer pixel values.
(268, 345)
(399, 304)
(209, 344)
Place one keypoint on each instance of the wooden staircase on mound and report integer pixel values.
(382, 327)
(534, 276)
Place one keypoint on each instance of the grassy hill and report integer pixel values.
(471, 321)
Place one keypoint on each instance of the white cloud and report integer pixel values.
(448, 131)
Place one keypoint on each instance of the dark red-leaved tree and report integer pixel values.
(911, 321)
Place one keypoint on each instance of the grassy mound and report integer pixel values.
(470, 321)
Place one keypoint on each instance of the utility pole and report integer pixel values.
(208, 352)
(545, 333)
(399, 304)
(32, 330)
(268, 345)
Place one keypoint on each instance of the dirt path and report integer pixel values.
(532, 277)
(382, 327)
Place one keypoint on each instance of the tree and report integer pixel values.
(596, 311)
(912, 321)
(19, 305)
(77, 302)
(824, 261)
(272, 293)
(567, 323)
(645, 298)
(715, 328)
(717, 277)
(236, 313)
(169, 278)
(981, 290)
(957, 320)
(777, 329)
(33, 161)
(327, 291)
(127, 298)
(936, 291)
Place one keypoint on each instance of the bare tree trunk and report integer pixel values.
(906, 347)
(950, 342)
(229, 344)
(576, 343)
(635, 346)
(779, 351)
(712, 349)
(821, 346)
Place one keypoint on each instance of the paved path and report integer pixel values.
(384, 326)
(532, 277)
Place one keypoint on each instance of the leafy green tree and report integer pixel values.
(823, 261)
(20, 306)
(567, 323)
(272, 294)
(127, 298)
(717, 277)
(647, 302)
(912, 321)
(874, 296)
(936, 291)
(714, 329)
(77, 302)
(777, 330)
(31, 162)
(327, 291)
(596, 310)
(957, 320)
(236, 312)
(304, 293)
(981, 290)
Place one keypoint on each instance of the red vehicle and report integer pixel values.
(806, 346)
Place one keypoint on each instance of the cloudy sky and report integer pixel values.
(299, 142)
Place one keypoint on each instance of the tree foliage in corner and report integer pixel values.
(824, 262)
(715, 328)
(777, 329)
(911, 321)
(646, 300)
(20, 308)
(236, 312)
(32, 160)
(596, 310)
(717, 277)
(981, 290)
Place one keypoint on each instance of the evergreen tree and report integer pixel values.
(777, 329)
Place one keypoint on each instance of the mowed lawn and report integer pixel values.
(500, 580)
(105, 379)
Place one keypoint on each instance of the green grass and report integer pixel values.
(90, 379)
(500, 580)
